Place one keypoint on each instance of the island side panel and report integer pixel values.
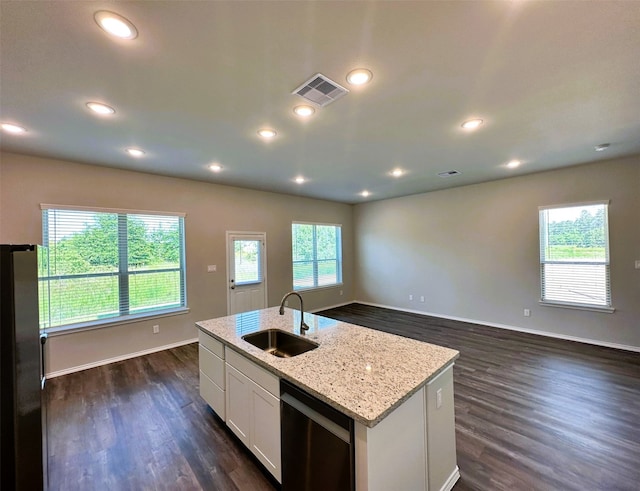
(442, 465)
(392, 454)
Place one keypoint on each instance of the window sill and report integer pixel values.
(88, 326)
(590, 308)
(314, 288)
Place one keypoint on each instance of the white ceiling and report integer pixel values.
(550, 79)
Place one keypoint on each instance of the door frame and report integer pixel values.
(263, 237)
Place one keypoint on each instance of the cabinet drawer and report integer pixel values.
(211, 365)
(211, 343)
(259, 375)
(213, 394)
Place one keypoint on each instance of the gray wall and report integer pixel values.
(26, 182)
(473, 252)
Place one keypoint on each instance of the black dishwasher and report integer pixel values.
(317, 444)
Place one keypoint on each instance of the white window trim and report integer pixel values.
(577, 306)
(320, 287)
(48, 206)
(608, 309)
(573, 205)
(131, 318)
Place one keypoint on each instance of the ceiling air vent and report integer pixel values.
(449, 173)
(320, 90)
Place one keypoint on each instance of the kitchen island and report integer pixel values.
(398, 391)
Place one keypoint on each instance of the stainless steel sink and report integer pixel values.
(280, 343)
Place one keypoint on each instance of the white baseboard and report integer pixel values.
(606, 344)
(100, 363)
(332, 306)
(452, 480)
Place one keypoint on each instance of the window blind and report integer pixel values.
(317, 255)
(574, 255)
(102, 265)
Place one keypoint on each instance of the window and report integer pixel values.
(247, 261)
(574, 255)
(109, 265)
(317, 255)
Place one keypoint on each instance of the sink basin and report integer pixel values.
(280, 343)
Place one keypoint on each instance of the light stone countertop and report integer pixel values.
(361, 372)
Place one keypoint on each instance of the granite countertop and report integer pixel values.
(361, 372)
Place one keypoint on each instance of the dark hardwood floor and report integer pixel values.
(141, 424)
(532, 413)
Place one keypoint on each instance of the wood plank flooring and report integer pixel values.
(532, 413)
(141, 424)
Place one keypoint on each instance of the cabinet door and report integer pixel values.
(265, 429)
(213, 394)
(238, 407)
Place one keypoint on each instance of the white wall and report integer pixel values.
(473, 251)
(211, 209)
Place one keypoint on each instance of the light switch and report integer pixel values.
(637, 263)
(211, 268)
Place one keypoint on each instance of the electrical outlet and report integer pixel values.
(212, 268)
(527, 313)
(637, 263)
(286, 303)
(340, 292)
(156, 329)
(422, 298)
(410, 297)
(438, 398)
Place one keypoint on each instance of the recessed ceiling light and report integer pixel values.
(304, 111)
(365, 193)
(215, 167)
(513, 164)
(602, 147)
(267, 133)
(135, 152)
(397, 172)
(13, 128)
(300, 180)
(115, 24)
(359, 76)
(472, 124)
(102, 109)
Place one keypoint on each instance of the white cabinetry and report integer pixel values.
(238, 396)
(212, 378)
(253, 409)
(414, 447)
(441, 432)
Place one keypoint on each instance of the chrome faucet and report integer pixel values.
(303, 326)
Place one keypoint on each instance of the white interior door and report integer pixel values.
(247, 266)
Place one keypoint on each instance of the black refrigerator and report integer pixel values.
(23, 445)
